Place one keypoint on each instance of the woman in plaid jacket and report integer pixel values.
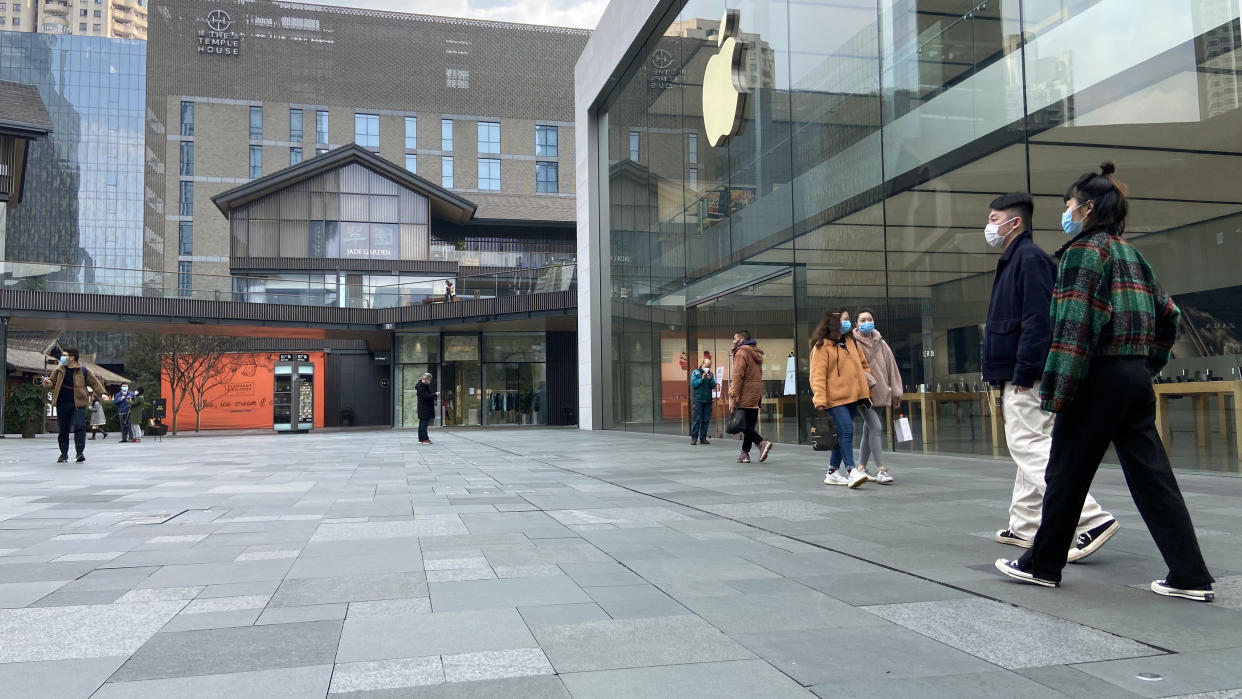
(1113, 328)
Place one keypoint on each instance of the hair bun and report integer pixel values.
(1107, 168)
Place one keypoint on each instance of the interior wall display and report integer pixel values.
(1211, 323)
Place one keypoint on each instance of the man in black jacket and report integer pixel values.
(426, 407)
(1015, 347)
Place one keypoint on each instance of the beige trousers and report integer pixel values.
(1028, 432)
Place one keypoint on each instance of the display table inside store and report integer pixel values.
(929, 414)
(1199, 393)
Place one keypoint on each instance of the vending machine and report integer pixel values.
(293, 400)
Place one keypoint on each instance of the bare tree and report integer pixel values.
(194, 367)
(167, 359)
(213, 371)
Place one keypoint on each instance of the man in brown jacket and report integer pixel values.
(746, 393)
(68, 384)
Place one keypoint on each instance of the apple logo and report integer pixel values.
(724, 91)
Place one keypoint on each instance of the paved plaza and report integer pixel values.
(554, 563)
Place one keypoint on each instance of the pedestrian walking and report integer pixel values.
(839, 383)
(1015, 347)
(121, 400)
(1113, 330)
(426, 407)
(137, 413)
(702, 384)
(886, 389)
(68, 384)
(746, 393)
(98, 421)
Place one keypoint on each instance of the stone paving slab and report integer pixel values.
(357, 564)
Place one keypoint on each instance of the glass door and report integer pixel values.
(462, 379)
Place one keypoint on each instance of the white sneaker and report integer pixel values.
(835, 478)
(883, 478)
(855, 478)
(867, 473)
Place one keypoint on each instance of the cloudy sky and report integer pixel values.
(563, 13)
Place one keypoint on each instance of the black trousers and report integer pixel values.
(422, 429)
(1114, 405)
(124, 418)
(70, 417)
(749, 435)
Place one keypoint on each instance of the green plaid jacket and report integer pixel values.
(1106, 303)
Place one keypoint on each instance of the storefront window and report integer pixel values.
(871, 139)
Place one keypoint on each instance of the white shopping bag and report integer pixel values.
(901, 428)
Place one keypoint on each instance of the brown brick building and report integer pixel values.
(240, 90)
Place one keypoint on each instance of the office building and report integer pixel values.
(82, 209)
(854, 170)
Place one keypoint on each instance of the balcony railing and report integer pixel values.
(344, 290)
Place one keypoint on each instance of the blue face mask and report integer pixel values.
(867, 327)
(64, 359)
(1068, 224)
(846, 325)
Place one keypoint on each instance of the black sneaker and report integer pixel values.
(80, 459)
(1090, 541)
(1006, 536)
(1011, 569)
(1200, 594)
(694, 442)
(63, 458)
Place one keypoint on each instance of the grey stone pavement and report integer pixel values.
(554, 563)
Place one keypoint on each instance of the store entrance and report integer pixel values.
(462, 379)
(765, 310)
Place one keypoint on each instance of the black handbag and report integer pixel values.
(736, 422)
(823, 432)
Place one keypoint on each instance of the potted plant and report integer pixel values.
(25, 403)
(347, 416)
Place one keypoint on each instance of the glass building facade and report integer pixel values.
(490, 378)
(873, 135)
(84, 184)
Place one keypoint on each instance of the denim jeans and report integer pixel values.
(843, 419)
(702, 419)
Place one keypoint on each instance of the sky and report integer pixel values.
(562, 13)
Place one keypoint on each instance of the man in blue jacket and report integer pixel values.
(121, 401)
(702, 383)
(1015, 347)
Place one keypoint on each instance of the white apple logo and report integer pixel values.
(724, 91)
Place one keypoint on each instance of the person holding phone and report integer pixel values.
(426, 407)
(69, 383)
(702, 384)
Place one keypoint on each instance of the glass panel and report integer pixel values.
(489, 137)
(411, 135)
(256, 123)
(515, 347)
(461, 348)
(516, 394)
(418, 348)
(446, 135)
(295, 125)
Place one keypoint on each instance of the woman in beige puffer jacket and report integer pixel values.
(886, 390)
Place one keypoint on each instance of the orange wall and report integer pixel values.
(245, 402)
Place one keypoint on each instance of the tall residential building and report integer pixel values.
(114, 19)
